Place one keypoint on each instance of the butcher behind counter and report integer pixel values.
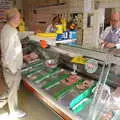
(110, 37)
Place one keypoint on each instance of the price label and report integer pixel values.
(91, 66)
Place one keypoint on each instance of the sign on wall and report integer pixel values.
(4, 5)
(88, 6)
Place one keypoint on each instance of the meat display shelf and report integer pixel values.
(60, 106)
(52, 103)
(58, 96)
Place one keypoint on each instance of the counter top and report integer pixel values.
(106, 56)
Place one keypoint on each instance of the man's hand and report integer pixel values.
(106, 44)
(103, 44)
(110, 45)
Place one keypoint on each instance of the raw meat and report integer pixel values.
(71, 79)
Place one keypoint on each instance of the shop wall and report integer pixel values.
(91, 36)
(75, 6)
(107, 3)
(18, 4)
(33, 6)
(43, 13)
(91, 22)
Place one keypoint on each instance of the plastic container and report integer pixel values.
(73, 34)
(66, 35)
(60, 37)
(59, 29)
(53, 35)
(43, 44)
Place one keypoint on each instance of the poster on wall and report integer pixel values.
(88, 6)
(4, 5)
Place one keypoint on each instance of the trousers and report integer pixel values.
(11, 96)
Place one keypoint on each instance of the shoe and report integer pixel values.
(18, 114)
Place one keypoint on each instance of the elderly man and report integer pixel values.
(111, 36)
(12, 60)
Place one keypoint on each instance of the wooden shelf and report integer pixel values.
(56, 4)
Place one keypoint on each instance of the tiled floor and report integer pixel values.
(32, 106)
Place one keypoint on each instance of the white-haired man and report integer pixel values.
(12, 61)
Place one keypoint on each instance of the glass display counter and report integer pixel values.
(72, 96)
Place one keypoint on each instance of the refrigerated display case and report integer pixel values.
(73, 95)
